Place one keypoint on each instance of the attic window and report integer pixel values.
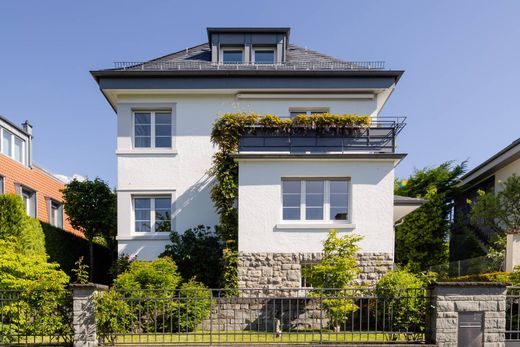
(232, 56)
(264, 56)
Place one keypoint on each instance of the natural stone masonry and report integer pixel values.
(450, 299)
(283, 270)
(83, 314)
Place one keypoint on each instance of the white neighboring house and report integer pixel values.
(165, 109)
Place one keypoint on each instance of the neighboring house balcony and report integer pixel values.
(379, 137)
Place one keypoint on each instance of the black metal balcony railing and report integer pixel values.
(287, 66)
(380, 137)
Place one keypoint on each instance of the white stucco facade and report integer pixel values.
(260, 205)
(182, 172)
(502, 174)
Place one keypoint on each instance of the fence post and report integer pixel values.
(83, 314)
(467, 310)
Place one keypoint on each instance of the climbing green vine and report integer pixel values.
(226, 134)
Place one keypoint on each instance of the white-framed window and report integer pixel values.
(12, 145)
(56, 214)
(152, 213)
(153, 129)
(294, 111)
(264, 55)
(315, 199)
(29, 201)
(232, 55)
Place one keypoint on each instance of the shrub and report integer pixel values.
(15, 223)
(487, 277)
(158, 274)
(403, 295)
(113, 316)
(41, 288)
(230, 271)
(193, 306)
(197, 253)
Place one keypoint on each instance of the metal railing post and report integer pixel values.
(210, 317)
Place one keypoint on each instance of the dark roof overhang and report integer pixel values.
(248, 30)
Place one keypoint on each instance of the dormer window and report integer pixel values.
(232, 56)
(264, 56)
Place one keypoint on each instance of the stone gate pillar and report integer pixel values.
(454, 302)
(83, 314)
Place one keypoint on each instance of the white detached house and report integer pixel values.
(292, 188)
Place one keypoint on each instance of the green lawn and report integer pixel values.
(245, 337)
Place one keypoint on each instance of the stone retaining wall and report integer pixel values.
(283, 270)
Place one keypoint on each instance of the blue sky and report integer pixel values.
(459, 91)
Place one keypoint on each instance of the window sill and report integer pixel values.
(309, 226)
(148, 236)
(146, 152)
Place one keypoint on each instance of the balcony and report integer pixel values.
(380, 137)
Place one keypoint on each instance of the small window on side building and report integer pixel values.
(56, 214)
(29, 201)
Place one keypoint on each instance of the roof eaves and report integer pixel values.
(17, 127)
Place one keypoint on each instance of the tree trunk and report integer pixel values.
(91, 260)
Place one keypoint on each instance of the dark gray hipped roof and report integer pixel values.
(198, 58)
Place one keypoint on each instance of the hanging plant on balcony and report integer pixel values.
(226, 134)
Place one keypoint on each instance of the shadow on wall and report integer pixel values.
(194, 206)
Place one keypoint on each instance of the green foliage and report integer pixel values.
(145, 299)
(338, 266)
(515, 276)
(499, 211)
(197, 253)
(42, 291)
(230, 270)
(421, 240)
(486, 277)
(91, 208)
(404, 296)
(81, 272)
(158, 274)
(113, 316)
(15, 223)
(57, 240)
(120, 265)
(337, 269)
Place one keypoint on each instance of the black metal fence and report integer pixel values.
(513, 314)
(35, 317)
(251, 316)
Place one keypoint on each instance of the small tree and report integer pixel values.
(500, 212)
(337, 269)
(91, 207)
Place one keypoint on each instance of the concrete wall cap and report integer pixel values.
(93, 286)
(470, 284)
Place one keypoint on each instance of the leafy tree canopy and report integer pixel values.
(422, 238)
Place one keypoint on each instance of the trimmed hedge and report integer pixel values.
(487, 277)
(65, 249)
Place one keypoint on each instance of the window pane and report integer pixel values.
(232, 57)
(6, 142)
(339, 213)
(143, 141)
(291, 200)
(143, 118)
(291, 213)
(264, 57)
(163, 203)
(163, 130)
(143, 130)
(291, 187)
(18, 149)
(314, 213)
(163, 118)
(338, 187)
(142, 226)
(1, 185)
(163, 142)
(338, 200)
(314, 187)
(142, 215)
(142, 203)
